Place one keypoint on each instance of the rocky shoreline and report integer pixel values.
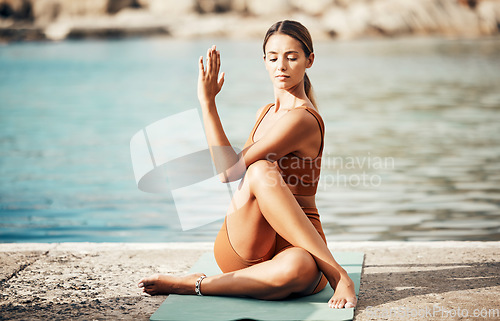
(25, 20)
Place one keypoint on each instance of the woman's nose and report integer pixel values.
(281, 64)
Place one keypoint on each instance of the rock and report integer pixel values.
(58, 30)
(313, 24)
(268, 8)
(47, 11)
(116, 5)
(345, 19)
(336, 22)
(143, 3)
(419, 19)
(15, 9)
(211, 6)
(239, 6)
(388, 17)
(347, 23)
(470, 3)
(311, 7)
(137, 18)
(208, 25)
(359, 15)
(400, 17)
(143, 19)
(251, 27)
(127, 22)
(450, 18)
(488, 13)
(347, 3)
(461, 19)
(170, 7)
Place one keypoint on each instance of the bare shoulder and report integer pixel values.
(303, 117)
(259, 111)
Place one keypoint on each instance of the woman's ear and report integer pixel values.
(310, 60)
(264, 56)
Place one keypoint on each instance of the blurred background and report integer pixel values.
(409, 91)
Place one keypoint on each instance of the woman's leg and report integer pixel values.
(269, 207)
(292, 271)
(276, 209)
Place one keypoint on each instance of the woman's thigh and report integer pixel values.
(249, 233)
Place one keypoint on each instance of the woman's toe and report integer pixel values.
(349, 304)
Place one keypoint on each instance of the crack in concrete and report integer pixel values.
(21, 268)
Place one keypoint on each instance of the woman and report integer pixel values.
(271, 245)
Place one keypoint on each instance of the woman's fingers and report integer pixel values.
(217, 54)
(214, 59)
(202, 69)
(209, 60)
(213, 62)
(221, 80)
(210, 82)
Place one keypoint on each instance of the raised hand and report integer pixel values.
(209, 82)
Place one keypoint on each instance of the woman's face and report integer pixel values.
(286, 61)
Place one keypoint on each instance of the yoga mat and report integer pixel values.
(215, 308)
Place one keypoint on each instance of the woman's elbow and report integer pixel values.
(226, 177)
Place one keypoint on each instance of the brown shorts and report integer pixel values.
(229, 260)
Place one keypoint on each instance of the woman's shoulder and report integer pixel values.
(306, 110)
(262, 110)
(259, 111)
(307, 115)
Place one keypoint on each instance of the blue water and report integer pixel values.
(429, 108)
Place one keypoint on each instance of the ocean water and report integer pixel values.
(412, 148)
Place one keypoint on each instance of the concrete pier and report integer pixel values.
(98, 281)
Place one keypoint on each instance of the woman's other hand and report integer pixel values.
(209, 82)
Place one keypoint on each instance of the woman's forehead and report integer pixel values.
(281, 43)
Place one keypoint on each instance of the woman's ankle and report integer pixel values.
(341, 277)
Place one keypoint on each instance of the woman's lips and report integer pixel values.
(282, 77)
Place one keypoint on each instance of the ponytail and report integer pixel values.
(309, 90)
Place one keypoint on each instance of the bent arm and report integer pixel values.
(223, 154)
(209, 85)
(291, 133)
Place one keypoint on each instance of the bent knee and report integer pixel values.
(262, 171)
(260, 167)
(298, 271)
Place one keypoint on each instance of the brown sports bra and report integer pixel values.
(301, 174)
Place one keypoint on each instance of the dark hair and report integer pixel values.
(300, 33)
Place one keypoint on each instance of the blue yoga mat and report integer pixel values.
(215, 308)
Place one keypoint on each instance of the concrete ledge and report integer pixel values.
(97, 281)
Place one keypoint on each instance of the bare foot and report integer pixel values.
(345, 295)
(169, 284)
